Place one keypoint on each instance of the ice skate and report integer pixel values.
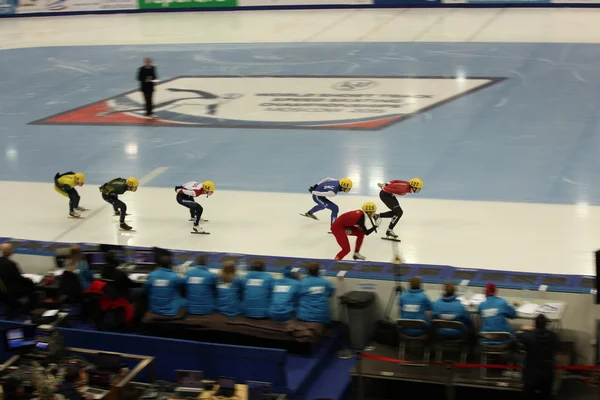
(390, 234)
(73, 214)
(358, 256)
(81, 209)
(124, 227)
(309, 215)
(196, 230)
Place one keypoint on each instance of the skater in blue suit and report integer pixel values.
(328, 187)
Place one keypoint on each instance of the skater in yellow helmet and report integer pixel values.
(388, 194)
(328, 187)
(186, 194)
(111, 191)
(65, 185)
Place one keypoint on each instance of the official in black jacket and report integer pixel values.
(146, 76)
(16, 285)
(541, 346)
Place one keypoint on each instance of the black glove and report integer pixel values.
(313, 187)
(178, 187)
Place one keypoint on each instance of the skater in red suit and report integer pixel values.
(388, 194)
(353, 224)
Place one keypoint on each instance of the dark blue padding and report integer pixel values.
(377, 271)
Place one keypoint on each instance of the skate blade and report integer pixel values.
(199, 233)
(125, 230)
(391, 239)
(118, 215)
(71, 217)
(306, 216)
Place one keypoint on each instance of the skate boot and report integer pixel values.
(309, 215)
(81, 209)
(73, 214)
(358, 256)
(390, 233)
(117, 214)
(125, 227)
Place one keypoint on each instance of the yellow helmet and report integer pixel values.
(79, 177)
(369, 207)
(346, 184)
(416, 183)
(132, 182)
(208, 186)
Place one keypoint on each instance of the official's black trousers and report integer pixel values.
(392, 203)
(189, 202)
(117, 204)
(148, 91)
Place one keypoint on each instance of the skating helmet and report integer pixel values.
(208, 186)
(132, 182)
(416, 184)
(79, 178)
(369, 207)
(346, 184)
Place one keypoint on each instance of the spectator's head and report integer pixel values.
(313, 268)
(164, 261)
(111, 259)
(258, 266)
(202, 259)
(76, 252)
(7, 249)
(147, 61)
(490, 289)
(228, 271)
(541, 321)
(287, 273)
(72, 374)
(415, 283)
(449, 289)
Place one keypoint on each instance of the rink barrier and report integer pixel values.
(47, 8)
(363, 270)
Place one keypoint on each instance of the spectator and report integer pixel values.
(284, 298)
(16, 285)
(448, 308)
(541, 346)
(201, 286)
(229, 291)
(110, 271)
(313, 296)
(164, 285)
(80, 266)
(68, 387)
(494, 312)
(257, 291)
(413, 305)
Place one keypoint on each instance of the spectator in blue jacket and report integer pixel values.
(413, 305)
(494, 313)
(229, 291)
(201, 288)
(257, 291)
(284, 299)
(448, 308)
(313, 296)
(79, 265)
(164, 289)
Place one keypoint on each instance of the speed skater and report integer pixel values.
(328, 187)
(111, 191)
(352, 223)
(186, 194)
(388, 194)
(65, 184)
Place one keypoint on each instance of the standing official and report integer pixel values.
(147, 76)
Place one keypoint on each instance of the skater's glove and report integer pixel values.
(313, 187)
(178, 187)
(381, 185)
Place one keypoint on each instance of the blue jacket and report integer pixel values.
(229, 296)
(413, 305)
(284, 299)
(201, 286)
(450, 309)
(257, 294)
(313, 299)
(494, 312)
(163, 287)
(328, 188)
(85, 275)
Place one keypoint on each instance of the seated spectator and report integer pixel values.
(284, 298)
(68, 387)
(79, 265)
(164, 289)
(314, 293)
(201, 286)
(494, 312)
(257, 291)
(229, 291)
(110, 271)
(448, 308)
(541, 346)
(413, 305)
(15, 285)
